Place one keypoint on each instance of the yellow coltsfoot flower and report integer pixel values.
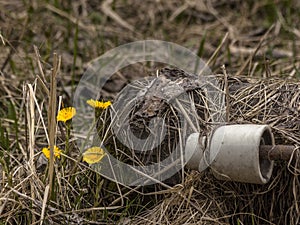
(66, 114)
(98, 104)
(93, 155)
(57, 152)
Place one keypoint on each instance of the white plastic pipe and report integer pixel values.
(233, 153)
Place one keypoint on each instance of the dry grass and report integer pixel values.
(202, 199)
(262, 43)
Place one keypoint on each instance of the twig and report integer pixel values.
(248, 61)
(215, 52)
(110, 13)
(227, 99)
(71, 18)
(51, 117)
(46, 193)
(30, 120)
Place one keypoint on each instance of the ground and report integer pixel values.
(251, 38)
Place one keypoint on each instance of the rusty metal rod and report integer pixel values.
(276, 152)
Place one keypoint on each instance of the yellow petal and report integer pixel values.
(46, 152)
(93, 155)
